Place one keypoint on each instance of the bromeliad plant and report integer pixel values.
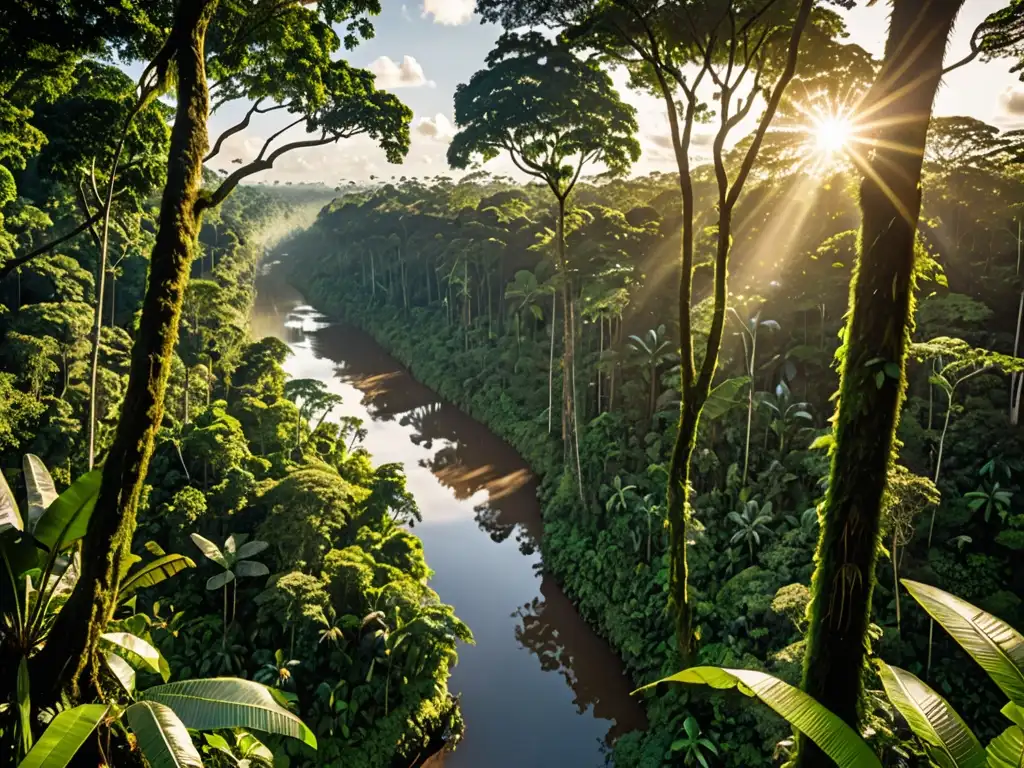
(996, 646)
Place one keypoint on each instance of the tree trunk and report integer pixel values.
(1017, 379)
(899, 107)
(108, 541)
(551, 360)
(570, 438)
(185, 420)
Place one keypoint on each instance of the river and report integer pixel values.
(539, 688)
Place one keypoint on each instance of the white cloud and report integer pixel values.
(437, 127)
(390, 74)
(1012, 101)
(449, 12)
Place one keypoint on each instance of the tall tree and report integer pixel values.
(554, 113)
(893, 120)
(746, 54)
(276, 52)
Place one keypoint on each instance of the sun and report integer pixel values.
(832, 133)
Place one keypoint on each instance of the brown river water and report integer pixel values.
(539, 688)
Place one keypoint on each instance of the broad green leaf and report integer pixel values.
(162, 736)
(217, 741)
(932, 719)
(833, 736)
(253, 748)
(1007, 749)
(994, 644)
(63, 737)
(154, 549)
(251, 568)
(724, 397)
(251, 548)
(65, 521)
(216, 582)
(10, 517)
(24, 706)
(210, 549)
(41, 490)
(122, 670)
(226, 702)
(134, 648)
(1013, 713)
(153, 573)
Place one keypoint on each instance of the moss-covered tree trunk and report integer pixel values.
(895, 116)
(69, 658)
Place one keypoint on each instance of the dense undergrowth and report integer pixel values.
(302, 574)
(451, 279)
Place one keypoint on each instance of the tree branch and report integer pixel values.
(236, 128)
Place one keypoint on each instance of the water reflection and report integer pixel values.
(562, 711)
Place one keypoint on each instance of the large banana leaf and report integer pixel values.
(134, 649)
(951, 743)
(10, 517)
(65, 520)
(833, 736)
(122, 670)
(153, 573)
(210, 549)
(724, 398)
(63, 737)
(227, 702)
(994, 644)
(162, 736)
(1007, 749)
(41, 490)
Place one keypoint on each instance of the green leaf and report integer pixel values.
(892, 370)
(221, 579)
(154, 549)
(253, 748)
(122, 670)
(153, 573)
(10, 517)
(879, 379)
(1007, 749)
(994, 644)
(41, 490)
(833, 736)
(251, 548)
(1013, 713)
(162, 736)
(63, 737)
(251, 568)
(65, 521)
(211, 550)
(932, 719)
(137, 650)
(227, 702)
(24, 706)
(724, 397)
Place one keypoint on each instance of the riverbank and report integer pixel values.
(537, 668)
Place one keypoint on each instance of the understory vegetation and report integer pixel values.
(197, 564)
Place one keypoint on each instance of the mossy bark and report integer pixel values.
(895, 115)
(68, 661)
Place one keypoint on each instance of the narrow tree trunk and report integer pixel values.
(108, 541)
(899, 107)
(1016, 379)
(185, 420)
(551, 360)
(100, 281)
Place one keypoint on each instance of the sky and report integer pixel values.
(422, 49)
